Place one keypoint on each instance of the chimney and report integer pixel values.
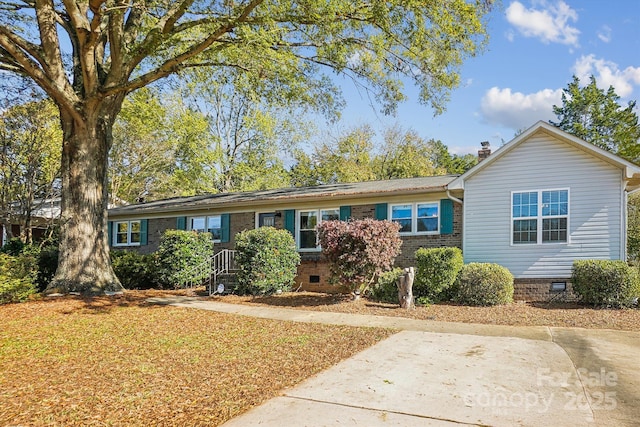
(484, 152)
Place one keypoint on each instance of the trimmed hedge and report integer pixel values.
(17, 277)
(436, 272)
(135, 270)
(386, 288)
(484, 284)
(179, 255)
(267, 261)
(358, 251)
(606, 282)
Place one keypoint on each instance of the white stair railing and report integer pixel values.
(224, 262)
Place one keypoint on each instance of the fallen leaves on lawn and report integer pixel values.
(119, 361)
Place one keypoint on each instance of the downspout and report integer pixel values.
(455, 199)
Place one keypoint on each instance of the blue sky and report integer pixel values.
(535, 48)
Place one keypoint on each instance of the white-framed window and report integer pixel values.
(306, 238)
(265, 219)
(540, 216)
(209, 224)
(126, 233)
(416, 218)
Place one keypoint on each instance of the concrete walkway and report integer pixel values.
(445, 374)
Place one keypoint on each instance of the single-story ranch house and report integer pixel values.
(539, 202)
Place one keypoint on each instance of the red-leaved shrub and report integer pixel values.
(359, 250)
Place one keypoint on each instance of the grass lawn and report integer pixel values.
(120, 361)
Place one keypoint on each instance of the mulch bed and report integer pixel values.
(517, 313)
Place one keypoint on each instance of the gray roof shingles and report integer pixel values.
(282, 195)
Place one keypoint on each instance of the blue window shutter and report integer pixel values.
(181, 223)
(381, 211)
(144, 223)
(225, 232)
(345, 213)
(110, 233)
(446, 216)
(290, 221)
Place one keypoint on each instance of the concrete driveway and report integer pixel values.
(446, 374)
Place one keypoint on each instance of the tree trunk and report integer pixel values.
(405, 289)
(84, 265)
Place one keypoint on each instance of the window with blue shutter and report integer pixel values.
(290, 221)
(345, 213)
(181, 223)
(144, 225)
(446, 216)
(381, 211)
(225, 234)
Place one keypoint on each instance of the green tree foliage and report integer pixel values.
(454, 164)
(358, 251)
(267, 260)
(347, 159)
(30, 147)
(160, 149)
(355, 157)
(252, 124)
(405, 155)
(596, 116)
(87, 56)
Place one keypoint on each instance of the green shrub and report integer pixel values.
(605, 282)
(436, 272)
(135, 270)
(267, 260)
(359, 250)
(13, 247)
(386, 288)
(484, 284)
(47, 265)
(179, 256)
(17, 276)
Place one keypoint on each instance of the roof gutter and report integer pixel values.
(455, 199)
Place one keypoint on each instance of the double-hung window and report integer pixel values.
(307, 222)
(417, 218)
(210, 224)
(126, 233)
(540, 216)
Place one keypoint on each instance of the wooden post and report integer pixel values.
(405, 289)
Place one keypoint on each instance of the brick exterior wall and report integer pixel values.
(540, 290)
(313, 272)
(313, 264)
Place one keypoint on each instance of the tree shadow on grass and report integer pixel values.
(105, 304)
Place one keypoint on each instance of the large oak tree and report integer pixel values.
(88, 55)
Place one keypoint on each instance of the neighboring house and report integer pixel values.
(536, 204)
(45, 213)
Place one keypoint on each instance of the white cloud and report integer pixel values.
(605, 34)
(517, 110)
(607, 74)
(550, 24)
